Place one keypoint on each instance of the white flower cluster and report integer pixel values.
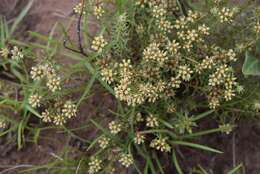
(94, 166)
(98, 11)
(47, 71)
(69, 110)
(54, 83)
(17, 55)
(115, 127)
(3, 124)
(4, 52)
(225, 15)
(139, 139)
(108, 75)
(160, 144)
(60, 114)
(103, 142)
(126, 160)
(79, 8)
(35, 100)
(159, 13)
(152, 121)
(98, 43)
(153, 53)
(184, 72)
(257, 27)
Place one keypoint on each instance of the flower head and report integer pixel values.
(98, 43)
(103, 142)
(226, 128)
(98, 11)
(115, 127)
(225, 15)
(160, 144)
(139, 139)
(184, 72)
(152, 121)
(3, 124)
(4, 52)
(79, 8)
(126, 160)
(54, 83)
(17, 55)
(35, 100)
(46, 116)
(94, 166)
(69, 109)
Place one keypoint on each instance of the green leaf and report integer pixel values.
(158, 163)
(236, 169)
(87, 90)
(21, 16)
(20, 135)
(151, 166)
(29, 108)
(36, 135)
(176, 163)
(204, 114)
(146, 168)
(197, 146)
(251, 65)
(258, 47)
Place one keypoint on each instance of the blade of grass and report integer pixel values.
(29, 108)
(203, 170)
(236, 169)
(158, 163)
(20, 17)
(88, 88)
(200, 116)
(197, 146)
(146, 168)
(197, 134)
(176, 163)
(20, 135)
(151, 166)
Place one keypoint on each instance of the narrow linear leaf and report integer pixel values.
(197, 146)
(204, 114)
(21, 16)
(88, 88)
(29, 108)
(158, 163)
(236, 169)
(176, 163)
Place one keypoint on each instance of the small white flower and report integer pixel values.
(94, 166)
(17, 55)
(114, 127)
(98, 43)
(35, 100)
(126, 160)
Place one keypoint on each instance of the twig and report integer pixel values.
(80, 46)
(79, 29)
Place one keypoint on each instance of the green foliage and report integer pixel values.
(169, 66)
(251, 65)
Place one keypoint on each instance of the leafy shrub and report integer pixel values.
(169, 64)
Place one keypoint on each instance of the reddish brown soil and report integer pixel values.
(242, 146)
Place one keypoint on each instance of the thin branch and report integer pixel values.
(80, 46)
